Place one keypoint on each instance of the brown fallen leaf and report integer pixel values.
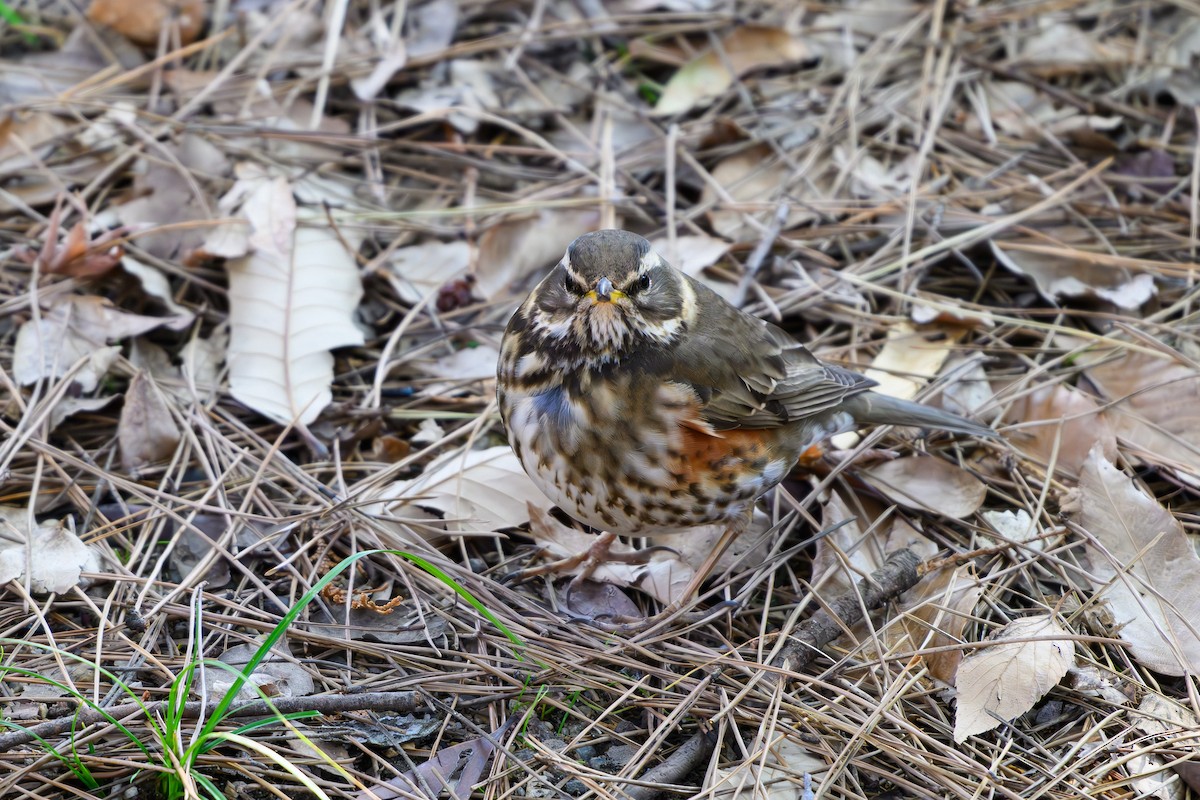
(864, 533)
(78, 255)
(1063, 270)
(1154, 406)
(1059, 419)
(521, 244)
(747, 48)
(664, 576)
(928, 483)
(1143, 564)
(141, 21)
(146, 431)
(754, 176)
(936, 612)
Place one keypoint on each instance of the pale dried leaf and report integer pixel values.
(1144, 565)
(691, 254)
(745, 49)
(287, 678)
(462, 366)
(74, 329)
(291, 301)
(69, 406)
(422, 269)
(1157, 715)
(968, 393)
(751, 176)
(200, 361)
(695, 545)
(928, 483)
(907, 360)
(56, 556)
(1070, 273)
(1005, 679)
(22, 132)
(476, 491)
(520, 245)
(163, 196)
(778, 776)
(146, 431)
(1059, 43)
(861, 539)
(1012, 526)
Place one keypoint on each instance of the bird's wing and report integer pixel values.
(751, 374)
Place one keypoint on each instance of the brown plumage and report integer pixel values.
(640, 401)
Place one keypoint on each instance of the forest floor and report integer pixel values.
(258, 516)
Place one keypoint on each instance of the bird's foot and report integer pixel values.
(583, 565)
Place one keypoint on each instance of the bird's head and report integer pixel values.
(611, 297)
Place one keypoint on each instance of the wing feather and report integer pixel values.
(754, 374)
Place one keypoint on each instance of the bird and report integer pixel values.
(641, 402)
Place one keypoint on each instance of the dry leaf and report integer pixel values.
(1012, 526)
(708, 75)
(460, 369)
(936, 611)
(142, 21)
(908, 360)
(1003, 680)
(968, 392)
(56, 556)
(695, 545)
(165, 194)
(72, 333)
(291, 301)
(861, 544)
(1057, 418)
(147, 431)
(1144, 565)
(77, 255)
(691, 254)
(1154, 406)
(516, 247)
(277, 675)
(1065, 272)
(422, 269)
(478, 491)
(751, 176)
(779, 774)
(927, 483)
(33, 132)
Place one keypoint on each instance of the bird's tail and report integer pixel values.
(871, 408)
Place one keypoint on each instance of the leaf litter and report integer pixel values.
(254, 277)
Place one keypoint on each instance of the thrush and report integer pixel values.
(641, 402)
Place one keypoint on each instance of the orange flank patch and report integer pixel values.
(724, 456)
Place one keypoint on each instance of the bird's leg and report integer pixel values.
(583, 564)
(674, 609)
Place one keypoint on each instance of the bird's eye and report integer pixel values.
(641, 284)
(572, 285)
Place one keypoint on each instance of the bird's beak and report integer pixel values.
(604, 292)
